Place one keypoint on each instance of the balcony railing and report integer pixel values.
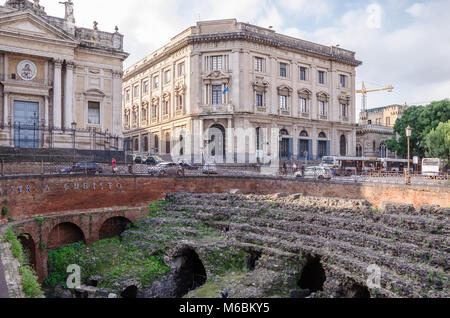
(214, 109)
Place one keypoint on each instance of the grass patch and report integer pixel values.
(30, 284)
(110, 259)
(156, 208)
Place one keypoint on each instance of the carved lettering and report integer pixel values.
(66, 186)
(19, 189)
(76, 186)
(28, 188)
(46, 188)
(118, 186)
(85, 186)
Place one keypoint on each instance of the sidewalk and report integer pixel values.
(3, 286)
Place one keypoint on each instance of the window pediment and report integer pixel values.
(344, 99)
(323, 96)
(155, 101)
(304, 93)
(260, 84)
(94, 93)
(166, 97)
(180, 89)
(284, 90)
(217, 75)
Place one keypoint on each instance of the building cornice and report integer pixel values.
(275, 40)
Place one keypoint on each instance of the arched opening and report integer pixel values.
(29, 249)
(129, 292)
(343, 145)
(252, 260)
(323, 146)
(189, 272)
(358, 291)
(146, 144)
(216, 143)
(313, 276)
(156, 148)
(285, 145)
(383, 150)
(167, 137)
(113, 227)
(359, 151)
(64, 234)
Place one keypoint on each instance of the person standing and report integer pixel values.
(114, 165)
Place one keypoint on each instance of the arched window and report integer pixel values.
(359, 152)
(146, 144)
(167, 143)
(284, 132)
(156, 143)
(304, 134)
(343, 145)
(322, 135)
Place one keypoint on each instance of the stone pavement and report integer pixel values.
(3, 286)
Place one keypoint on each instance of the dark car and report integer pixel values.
(152, 161)
(84, 167)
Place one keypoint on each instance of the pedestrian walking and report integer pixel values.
(303, 171)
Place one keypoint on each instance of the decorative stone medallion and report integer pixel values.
(27, 70)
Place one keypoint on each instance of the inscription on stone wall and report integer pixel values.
(76, 186)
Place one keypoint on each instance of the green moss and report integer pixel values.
(39, 220)
(110, 259)
(156, 208)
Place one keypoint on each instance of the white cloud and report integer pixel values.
(415, 10)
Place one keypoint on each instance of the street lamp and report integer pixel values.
(408, 134)
(74, 128)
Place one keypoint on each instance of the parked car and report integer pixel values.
(84, 167)
(152, 161)
(188, 166)
(209, 168)
(320, 173)
(165, 169)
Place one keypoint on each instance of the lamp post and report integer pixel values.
(74, 128)
(408, 134)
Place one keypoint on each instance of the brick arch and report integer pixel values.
(29, 244)
(65, 233)
(113, 226)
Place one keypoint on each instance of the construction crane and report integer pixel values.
(364, 92)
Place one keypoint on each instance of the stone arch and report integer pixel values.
(64, 234)
(29, 246)
(313, 275)
(217, 142)
(113, 227)
(189, 271)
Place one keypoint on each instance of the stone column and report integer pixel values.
(116, 128)
(200, 138)
(68, 96)
(46, 111)
(230, 141)
(5, 108)
(57, 94)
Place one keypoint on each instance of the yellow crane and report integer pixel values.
(364, 92)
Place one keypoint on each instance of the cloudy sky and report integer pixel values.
(405, 43)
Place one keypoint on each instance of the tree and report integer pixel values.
(438, 142)
(422, 120)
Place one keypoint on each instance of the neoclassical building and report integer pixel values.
(376, 126)
(60, 84)
(238, 93)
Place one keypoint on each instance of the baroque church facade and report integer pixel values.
(60, 84)
(232, 92)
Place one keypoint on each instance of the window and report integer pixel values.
(127, 96)
(216, 62)
(388, 121)
(259, 64)
(343, 80)
(136, 91)
(217, 95)
(156, 82)
(181, 69)
(145, 87)
(303, 107)
(165, 107)
(259, 100)
(303, 73)
(94, 113)
(322, 108)
(180, 101)
(167, 76)
(283, 69)
(283, 102)
(321, 77)
(144, 114)
(344, 110)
